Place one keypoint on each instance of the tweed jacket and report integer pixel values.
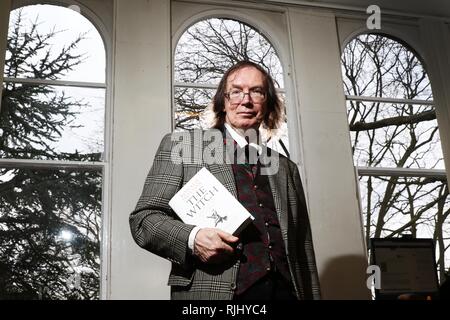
(156, 228)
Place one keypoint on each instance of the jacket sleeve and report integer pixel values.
(154, 225)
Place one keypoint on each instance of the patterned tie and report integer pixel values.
(252, 159)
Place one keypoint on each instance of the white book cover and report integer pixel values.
(203, 201)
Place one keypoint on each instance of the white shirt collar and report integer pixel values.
(238, 136)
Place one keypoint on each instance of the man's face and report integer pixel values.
(247, 113)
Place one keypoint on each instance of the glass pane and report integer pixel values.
(208, 48)
(393, 206)
(394, 135)
(279, 141)
(189, 106)
(50, 229)
(48, 122)
(37, 30)
(377, 66)
(203, 54)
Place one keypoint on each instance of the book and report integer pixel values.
(205, 202)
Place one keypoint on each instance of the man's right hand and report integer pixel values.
(213, 245)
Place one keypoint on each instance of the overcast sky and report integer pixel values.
(71, 24)
(88, 138)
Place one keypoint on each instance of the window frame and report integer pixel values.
(219, 14)
(104, 165)
(377, 172)
(386, 171)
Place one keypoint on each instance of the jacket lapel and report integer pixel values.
(224, 173)
(221, 169)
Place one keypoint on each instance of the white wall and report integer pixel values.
(330, 177)
(435, 45)
(141, 115)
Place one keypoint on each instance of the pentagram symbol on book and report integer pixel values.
(218, 219)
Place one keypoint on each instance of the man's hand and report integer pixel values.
(212, 245)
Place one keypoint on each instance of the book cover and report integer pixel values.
(203, 201)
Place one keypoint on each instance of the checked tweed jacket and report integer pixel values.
(156, 228)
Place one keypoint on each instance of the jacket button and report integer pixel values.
(233, 286)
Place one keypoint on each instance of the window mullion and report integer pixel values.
(97, 85)
(206, 86)
(54, 164)
(390, 100)
(400, 172)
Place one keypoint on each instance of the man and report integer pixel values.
(273, 258)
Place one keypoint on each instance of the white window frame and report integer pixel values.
(399, 172)
(361, 171)
(219, 14)
(104, 166)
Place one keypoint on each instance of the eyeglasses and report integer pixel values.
(236, 96)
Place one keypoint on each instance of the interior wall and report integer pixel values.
(331, 181)
(142, 114)
(435, 44)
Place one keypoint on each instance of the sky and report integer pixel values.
(90, 136)
(71, 24)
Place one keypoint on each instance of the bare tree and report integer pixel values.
(203, 54)
(396, 135)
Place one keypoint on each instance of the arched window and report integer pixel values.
(396, 143)
(203, 53)
(51, 155)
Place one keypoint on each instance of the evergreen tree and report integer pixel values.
(50, 218)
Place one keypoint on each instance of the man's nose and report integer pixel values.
(246, 99)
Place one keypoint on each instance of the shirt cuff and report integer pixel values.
(192, 238)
